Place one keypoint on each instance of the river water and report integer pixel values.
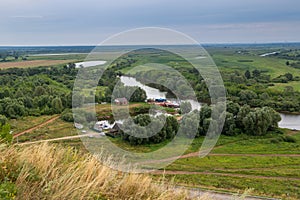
(287, 120)
(89, 63)
(290, 121)
(153, 93)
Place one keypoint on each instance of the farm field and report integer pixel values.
(33, 63)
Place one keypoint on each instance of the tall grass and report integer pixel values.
(47, 171)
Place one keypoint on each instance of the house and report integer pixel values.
(121, 101)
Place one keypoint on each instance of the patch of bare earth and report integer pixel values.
(32, 63)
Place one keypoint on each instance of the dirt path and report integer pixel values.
(36, 127)
(195, 154)
(169, 172)
(54, 139)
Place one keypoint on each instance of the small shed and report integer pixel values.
(115, 131)
(121, 101)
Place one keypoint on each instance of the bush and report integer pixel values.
(290, 139)
(67, 116)
(275, 140)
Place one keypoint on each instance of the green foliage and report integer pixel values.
(5, 135)
(56, 105)
(67, 116)
(247, 74)
(185, 107)
(259, 121)
(137, 135)
(8, 191)
(290, 139)
(35, 91)
(136, 94)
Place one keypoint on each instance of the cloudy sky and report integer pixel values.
(84, 22)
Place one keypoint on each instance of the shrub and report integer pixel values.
(275, 140)
(290, 139)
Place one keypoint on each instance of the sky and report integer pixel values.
(89, 22)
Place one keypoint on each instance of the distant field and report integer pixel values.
(33, 63)
(281, 86)
(272, 66)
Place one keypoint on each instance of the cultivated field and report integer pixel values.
(33, 63)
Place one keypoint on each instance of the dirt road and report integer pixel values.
(36, 127)
(170, 172)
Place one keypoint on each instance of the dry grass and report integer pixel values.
(53, 172)
(33, 63)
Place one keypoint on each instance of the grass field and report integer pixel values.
(281, 86)
(55, 129)
(33, 63)
(22, 124)
(267, 175)
(273, 66)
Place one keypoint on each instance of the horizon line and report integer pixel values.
(93, 45)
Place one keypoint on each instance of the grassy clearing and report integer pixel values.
(56, 129)
(265, 187)
(281, 86)
(33, 63)
(240, 165)
(24, 123)
(261, 146)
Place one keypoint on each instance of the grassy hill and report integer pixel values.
(54, 172)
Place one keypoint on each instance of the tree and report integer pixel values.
(233, 108)
(39, 90)
(67, 116)
(289, 76)
(205, 116)
(139, 95)
(244, 110)
(3, 120)
(149, 134)
(77, 100)
(256, 73)
(229, 125)
(247, 74)
(259, 121)
(188, 125)
(56, 105)
(247, 95)
(185, 107)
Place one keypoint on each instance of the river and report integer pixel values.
(153, 93)
(89, 63)
(287, 120)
